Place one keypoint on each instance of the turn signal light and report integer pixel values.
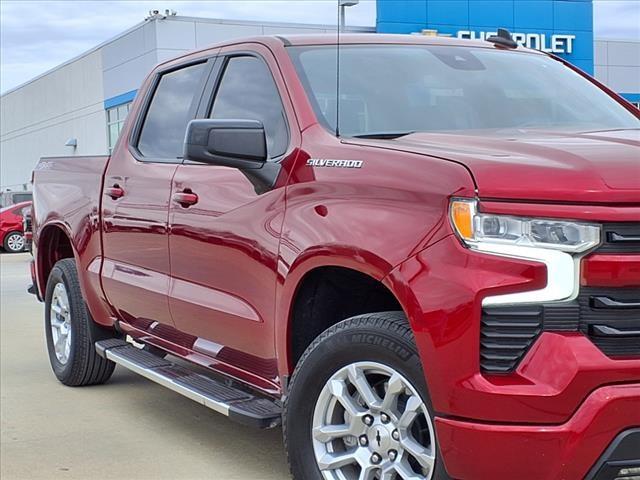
(462, 213)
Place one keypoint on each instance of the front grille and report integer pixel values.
(506, 335)
(620, 238)
(507, 332)
(622, 319)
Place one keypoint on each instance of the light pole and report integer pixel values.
(343, 7)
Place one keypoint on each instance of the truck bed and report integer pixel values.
(67, 195)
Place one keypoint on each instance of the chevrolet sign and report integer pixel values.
(537, 41)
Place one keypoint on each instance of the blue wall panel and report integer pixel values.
(548, 17)
(400, 27)
(120, 99)
(448, 12)
(571, 15)
(533, 14)
(402, 11)
(489, 13)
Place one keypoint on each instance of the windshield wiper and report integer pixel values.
(383, 135)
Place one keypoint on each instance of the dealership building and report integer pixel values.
(79, 107)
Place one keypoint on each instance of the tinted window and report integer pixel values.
(165, 125)
(22, 197)
(393, 89)
(248, 92)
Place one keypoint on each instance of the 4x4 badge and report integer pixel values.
(325, 162)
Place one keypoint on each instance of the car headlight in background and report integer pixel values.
(556, 243)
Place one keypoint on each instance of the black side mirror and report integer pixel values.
(230, 143)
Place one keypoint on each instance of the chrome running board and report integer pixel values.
(239, 405)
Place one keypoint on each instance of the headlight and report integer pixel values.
(556, 243)
(476, 228)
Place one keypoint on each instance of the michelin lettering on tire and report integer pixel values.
(377, 340)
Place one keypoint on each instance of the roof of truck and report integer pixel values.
(377, 38)
(295, 40)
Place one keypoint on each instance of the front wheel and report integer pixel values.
(14, 242)
(358, 406)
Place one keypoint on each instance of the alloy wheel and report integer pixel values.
(370, 423)
(15, 242)
(61, 323)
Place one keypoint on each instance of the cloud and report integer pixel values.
(36, 36)
(617, 19)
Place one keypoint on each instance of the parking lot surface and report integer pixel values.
(129, 428)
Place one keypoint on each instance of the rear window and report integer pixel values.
(170, 110)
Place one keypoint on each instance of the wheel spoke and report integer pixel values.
(328, 433)
(423, 455)
(412, 410)
(359, 380)
(339, 390)
(405, 472)
(62, 302)
(56, 309)
(368, 472)
(331, 460)
(60, 344)
(395, 387)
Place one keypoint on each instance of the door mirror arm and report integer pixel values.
(237, 144)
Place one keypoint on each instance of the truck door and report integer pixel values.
(137, 189)
(224, 245)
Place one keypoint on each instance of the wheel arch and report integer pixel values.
(54, 244)
(318, 276)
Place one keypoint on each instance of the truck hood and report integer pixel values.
(589, 167)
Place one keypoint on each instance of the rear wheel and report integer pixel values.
(358, 407)
(14, 242)
(70, 330)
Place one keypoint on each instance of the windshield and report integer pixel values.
(413, 88)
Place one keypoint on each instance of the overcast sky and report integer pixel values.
(38, 35)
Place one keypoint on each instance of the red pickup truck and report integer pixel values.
(429, 269)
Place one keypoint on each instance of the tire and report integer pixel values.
(375, 347)
(76, 362)
(13, 242)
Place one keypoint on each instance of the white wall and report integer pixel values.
(38, 118)
(617, 64)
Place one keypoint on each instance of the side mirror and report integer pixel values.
(230, 143)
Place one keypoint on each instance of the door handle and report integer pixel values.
(185, 199)
(115, 192)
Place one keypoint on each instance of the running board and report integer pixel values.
(236, 404)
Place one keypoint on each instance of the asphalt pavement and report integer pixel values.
(129, 428)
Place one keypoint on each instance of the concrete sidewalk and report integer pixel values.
(129, 428)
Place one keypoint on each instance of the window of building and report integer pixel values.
(248, 92)
(115, 121)
(170, 110)
(22, 197)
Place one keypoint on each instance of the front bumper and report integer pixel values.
(442, 289)
(568, 451)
